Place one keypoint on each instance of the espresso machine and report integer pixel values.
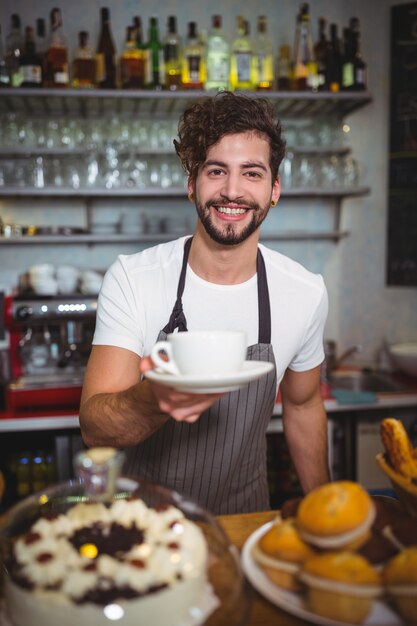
(49, 344)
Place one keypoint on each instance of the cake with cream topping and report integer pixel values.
(125, 562)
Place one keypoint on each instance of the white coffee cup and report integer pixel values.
(201, 353)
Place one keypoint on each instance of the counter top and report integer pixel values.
(61, 419)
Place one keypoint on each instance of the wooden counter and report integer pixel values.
(262, 612)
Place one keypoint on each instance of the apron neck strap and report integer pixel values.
(177, 318)
(264, 307)
(178, 321)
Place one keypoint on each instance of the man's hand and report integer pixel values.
(180, 405)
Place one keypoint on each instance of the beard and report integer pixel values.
(229, 235)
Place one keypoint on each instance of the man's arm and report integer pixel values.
(119, 409)
(305, 426)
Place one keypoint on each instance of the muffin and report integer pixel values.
(400, 579)
(336, 516)
(280, 552)
(340, 585)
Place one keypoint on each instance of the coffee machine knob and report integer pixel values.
(24, 312)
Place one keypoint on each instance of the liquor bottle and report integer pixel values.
(193, 62)
(4, 74)
(155, 57)
(263, 57)
(30, 61)
(14, 47)
(106, 54)
(360, 67)
(334, 63)
(41, 40)
(217, 57)
(131, 63)
(56, 59)
(347, 61)
(140, 45)
(84, 66)
(284, 69)
(172, 55)
(305, 66)
(321, 51)
(241, 61)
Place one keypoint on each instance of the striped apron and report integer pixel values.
(220, 460)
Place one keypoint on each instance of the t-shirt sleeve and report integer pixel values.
(117, 321)
(311, 352)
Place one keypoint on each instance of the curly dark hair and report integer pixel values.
(205, 122)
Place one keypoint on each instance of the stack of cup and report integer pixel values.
(67, 277)
(91, 282)
(42, 279)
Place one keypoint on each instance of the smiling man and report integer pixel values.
(212, 447)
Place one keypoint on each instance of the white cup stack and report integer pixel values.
(42, 279)
(91, 282)
(67, 277)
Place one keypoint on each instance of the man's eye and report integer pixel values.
(253, 174)
(216, 172)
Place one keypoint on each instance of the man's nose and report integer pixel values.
(231, 188)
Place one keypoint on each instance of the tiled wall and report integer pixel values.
(362, 309)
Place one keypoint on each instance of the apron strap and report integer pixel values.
(177, 319)
(264, 307)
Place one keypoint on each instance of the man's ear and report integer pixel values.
(276, 190)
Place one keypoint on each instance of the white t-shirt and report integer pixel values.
(139, 293)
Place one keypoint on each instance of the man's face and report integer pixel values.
(234, 187)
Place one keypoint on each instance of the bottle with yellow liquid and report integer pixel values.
(242, 59)
(193, 62)
(263, 57)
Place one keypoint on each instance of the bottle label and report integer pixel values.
(16, 78)
(171, 52)
(243, 63)
(32, 74)
(217, 67)
(360, 77)
(264, 68)
(194, 68)
(348, 76)
(100, 67)
(61, 77)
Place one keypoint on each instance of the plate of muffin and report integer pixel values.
(342, 557)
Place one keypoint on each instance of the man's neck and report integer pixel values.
(223, 265)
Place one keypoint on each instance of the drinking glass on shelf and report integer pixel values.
(55, 175)
(10, 130)
(38, 173)
(306, 174)
(307, 135)
(154, 172)
(287, 171)
(350, 171)
(330, 172)
(92, 170)
(290, 133)
(53, 134)
(72, 175)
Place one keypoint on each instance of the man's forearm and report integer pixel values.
(306, 436)
(121, 419)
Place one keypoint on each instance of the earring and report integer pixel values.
(191, 196)
(273, 203)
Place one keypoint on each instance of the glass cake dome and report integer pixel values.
(110, 549)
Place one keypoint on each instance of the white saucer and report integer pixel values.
(251, 370)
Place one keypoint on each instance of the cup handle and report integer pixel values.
(166, 366)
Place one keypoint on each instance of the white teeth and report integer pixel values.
(229, 211)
